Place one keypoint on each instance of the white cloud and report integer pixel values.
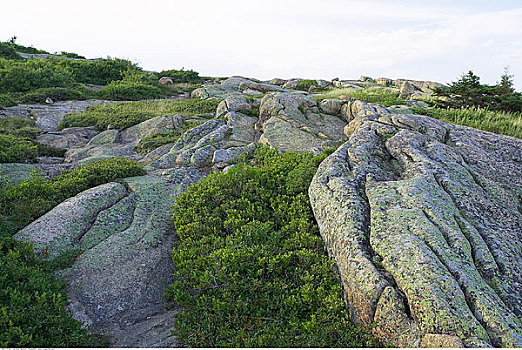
(416, 39)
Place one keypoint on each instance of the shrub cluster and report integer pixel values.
(22, 203)
(469, 92)
(125, 114)
(305, 84)
(33, 305)
(17, 142)
(251, 269)
(181, 76)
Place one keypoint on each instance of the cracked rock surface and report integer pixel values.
(424, 220)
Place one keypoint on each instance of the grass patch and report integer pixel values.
(505, 123)
(373, 94)
(125, 114)
(251, 268)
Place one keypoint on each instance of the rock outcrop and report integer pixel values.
(424, 220)
(124, 236)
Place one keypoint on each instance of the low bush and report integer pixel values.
(251, 270)
(125, 114)
(130, 91)
(24, 76)
(33, 304)
(7, 51)
(181, 76)
(499, 122)
(7, 101)
(304, 85)
(14, 149)
(17, 142)
(57, 94)
(22, 203)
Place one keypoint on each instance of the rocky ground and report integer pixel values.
(423, 218)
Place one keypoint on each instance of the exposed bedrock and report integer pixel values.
(424, 220)
(124, 235)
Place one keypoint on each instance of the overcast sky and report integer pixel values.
(427, 40)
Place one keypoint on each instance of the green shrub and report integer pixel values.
(56, 94)
(7, 101)
(251, 270)
(506, 123)
(125, 114)
(130, 91)
(33, 305)
(17, 142)
(99, 72)
(23, 203)
(181, 76)
(7, 51)
(24, 76)
(70, 55)
(305, 84)
(14, 149)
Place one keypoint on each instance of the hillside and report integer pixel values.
(163, 209)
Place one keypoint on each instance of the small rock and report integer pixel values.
(165, 81)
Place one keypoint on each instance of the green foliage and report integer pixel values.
(506, 123)
(125, 114)
(7, 51)
(56, 94)
(17, 142)
(21, 48)
(33, 305)
(130, 91)
(152, 142)
(181, 76)
(6, 101)
(305, 84)
(70, 55)
(378, 95)
(23, 203)
(467, 92)
(23, 76)
(251, 269)
(15, 149)
(99, 72)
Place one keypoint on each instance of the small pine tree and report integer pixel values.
(505, 86)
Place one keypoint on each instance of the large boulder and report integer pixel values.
(293, 122)
(424, 221)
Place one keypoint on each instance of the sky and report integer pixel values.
(435, 40)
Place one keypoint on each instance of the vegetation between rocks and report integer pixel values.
(23, 203)
(33, 304)
(152, 142)
(251, 269)
(125, 114)
(374, 94)
(17, 144)
(499, 122)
